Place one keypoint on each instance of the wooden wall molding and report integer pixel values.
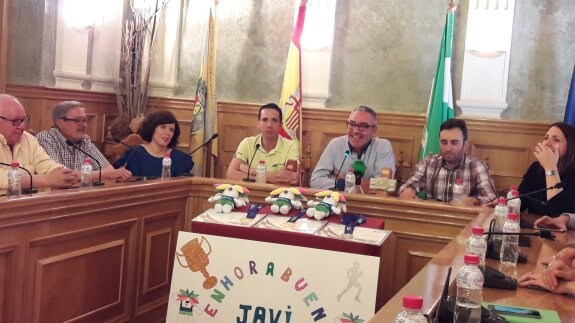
(506, 146)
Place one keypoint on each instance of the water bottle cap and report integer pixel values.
(471, 259)
(513, 216)
(262, 162)
(515, 193)
(87, 161)
(350, 170)
(459, 181)
(15, 165)
(513, 188)
(477, 230)
(414, 302)
(502, 201)
(167, 155)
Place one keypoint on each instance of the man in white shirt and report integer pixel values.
(17, 145)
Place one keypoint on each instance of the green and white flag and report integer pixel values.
(440, 107)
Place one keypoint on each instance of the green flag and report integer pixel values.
(440, 107)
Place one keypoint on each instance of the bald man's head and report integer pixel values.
(12, 119)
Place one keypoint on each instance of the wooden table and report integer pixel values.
(105, 253)
(429, 281)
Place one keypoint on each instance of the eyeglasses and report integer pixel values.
(361, 126)
(17, 122)
(77, 121)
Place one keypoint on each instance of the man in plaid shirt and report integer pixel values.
(435, 175)
(70, 121)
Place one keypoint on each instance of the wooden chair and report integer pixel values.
(119, 149)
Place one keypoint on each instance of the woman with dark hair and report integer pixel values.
(160, 130)
(555, 164)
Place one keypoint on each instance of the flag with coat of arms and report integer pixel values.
(291, 96)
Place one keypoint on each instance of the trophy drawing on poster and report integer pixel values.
(197, 259)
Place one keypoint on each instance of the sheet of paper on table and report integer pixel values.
(360, 234)
(302, 225)
(232, 218)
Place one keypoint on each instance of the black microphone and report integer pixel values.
(248, 179)
(446, 304)
(205, 143)
(345, 155)
(29, 190)
(99, 182)
(558, 185)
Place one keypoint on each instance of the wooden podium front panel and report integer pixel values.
(65, 274)
(98, 255)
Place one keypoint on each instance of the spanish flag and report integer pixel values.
(291, 97)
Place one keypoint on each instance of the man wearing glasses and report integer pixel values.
(70, 121)
(17, 145)
(362, 143)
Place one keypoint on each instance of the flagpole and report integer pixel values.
(440, 105)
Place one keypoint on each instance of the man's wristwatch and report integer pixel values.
(552, 172)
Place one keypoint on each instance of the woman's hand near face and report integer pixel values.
(547, 156)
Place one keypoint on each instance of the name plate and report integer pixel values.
(382, 184)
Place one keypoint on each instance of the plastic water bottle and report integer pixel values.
(458, 192)
(511, 189)
(261, 172)
(14, 181)
(514, 205)
(411, 313)
(510, 245)
(476, 245)
(469, 292)
(86, 173)
(166, 167)
(500, 215)
(350, 181)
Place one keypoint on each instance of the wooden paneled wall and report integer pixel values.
(507, 146)
(100, 107)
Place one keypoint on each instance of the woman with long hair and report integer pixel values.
(555, 167)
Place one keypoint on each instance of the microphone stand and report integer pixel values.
(205, 143)
(358, 170)
(99, 182)
(556, 186)
(345, 155)
(248, 179)
(29, 190)
(546, 234)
